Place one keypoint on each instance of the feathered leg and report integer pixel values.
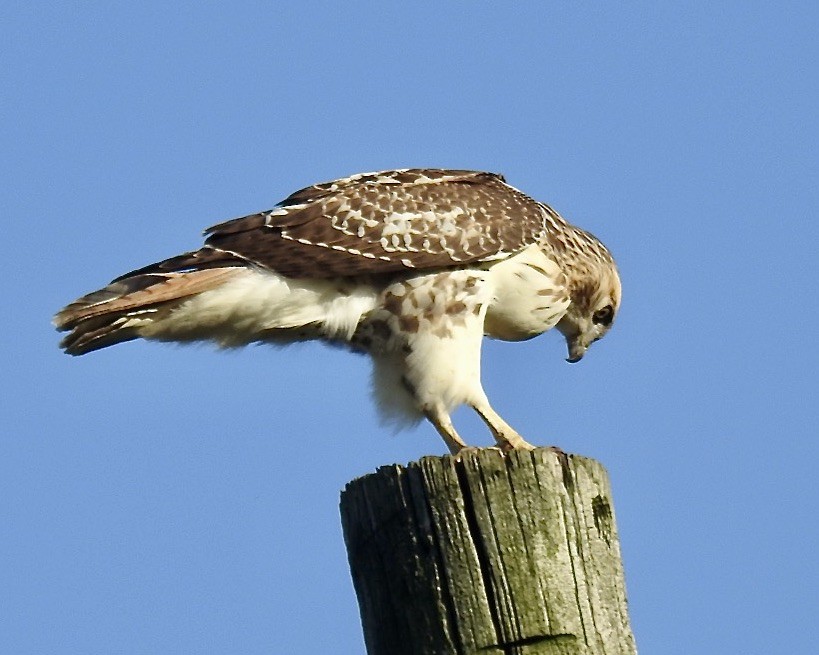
(432, 326)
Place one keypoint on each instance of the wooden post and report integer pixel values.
(493, 554)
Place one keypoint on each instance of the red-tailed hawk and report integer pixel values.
(411, 266)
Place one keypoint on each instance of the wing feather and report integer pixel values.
(377, 224)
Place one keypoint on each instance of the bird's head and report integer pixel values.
(595, 301)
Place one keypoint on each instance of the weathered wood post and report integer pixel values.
(492, 554)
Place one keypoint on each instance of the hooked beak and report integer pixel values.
(576, 351)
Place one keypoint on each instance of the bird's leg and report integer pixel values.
(440, 419)
(506, 436)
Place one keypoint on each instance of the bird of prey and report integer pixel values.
(412, 266)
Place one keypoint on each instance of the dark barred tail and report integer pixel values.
(119, 312)
(99, 332)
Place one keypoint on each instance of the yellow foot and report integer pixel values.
(508, 443)
(473, 449)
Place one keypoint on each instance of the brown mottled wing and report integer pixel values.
(378, 223)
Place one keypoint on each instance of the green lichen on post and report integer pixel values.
(488, 554)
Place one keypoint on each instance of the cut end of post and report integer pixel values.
(487, 552)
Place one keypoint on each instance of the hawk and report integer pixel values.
(413, 267)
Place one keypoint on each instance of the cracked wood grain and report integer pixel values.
(494, 554)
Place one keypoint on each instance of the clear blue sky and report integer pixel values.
(159, 499)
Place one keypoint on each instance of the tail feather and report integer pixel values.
(116, 313)
(88, 338)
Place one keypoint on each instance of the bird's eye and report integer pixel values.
(603, 316)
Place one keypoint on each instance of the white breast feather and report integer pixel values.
(529, 296)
